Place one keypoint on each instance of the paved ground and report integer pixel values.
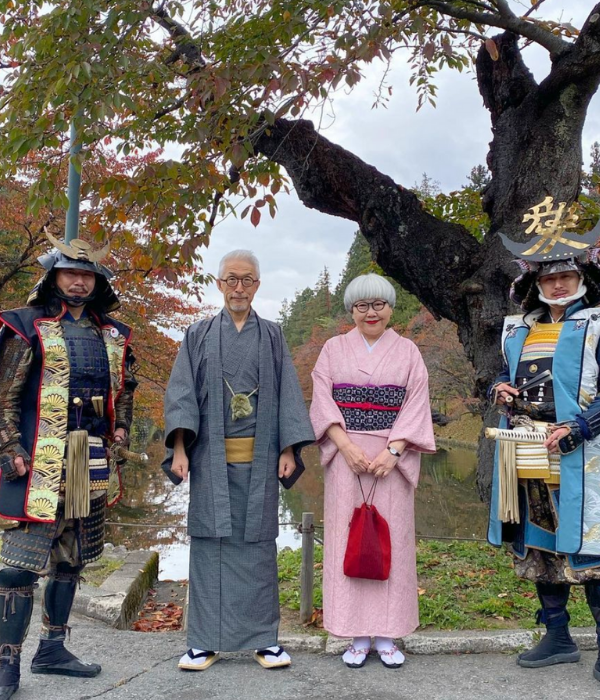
(141, 666)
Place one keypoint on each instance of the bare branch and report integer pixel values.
(334, 181)
(554, 44)
(178, 104)
(533, 8)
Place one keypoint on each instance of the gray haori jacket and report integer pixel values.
(194, 403)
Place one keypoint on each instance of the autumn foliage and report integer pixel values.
(151, 294)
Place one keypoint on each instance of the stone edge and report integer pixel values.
(121, 596)
(472, 642)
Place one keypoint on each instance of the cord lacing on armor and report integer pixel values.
(14, 649)
(65, 577)
(60, 628)
(9, 599)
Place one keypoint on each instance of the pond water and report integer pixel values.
(152, 514)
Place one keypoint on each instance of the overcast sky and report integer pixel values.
(445, 142)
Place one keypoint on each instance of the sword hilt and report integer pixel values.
(121, 453)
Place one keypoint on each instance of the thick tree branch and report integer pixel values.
(402, 235)
(581, 64)
(186, 45)
(504, 83)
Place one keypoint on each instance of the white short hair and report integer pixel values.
(245, 255)
(369, 286)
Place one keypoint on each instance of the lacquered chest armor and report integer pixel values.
(89, 375)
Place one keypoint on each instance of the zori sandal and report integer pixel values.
(198, 660)
(273, 657)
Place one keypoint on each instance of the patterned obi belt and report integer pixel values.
(99, 468)
(366, 408)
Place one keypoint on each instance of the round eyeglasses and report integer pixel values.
(233, 281)
(363, 306)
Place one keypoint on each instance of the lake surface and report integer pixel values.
(153, 512)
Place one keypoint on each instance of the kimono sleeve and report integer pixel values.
(16, 358)
(294, 424)
(414, 424)
(323, 410)
(181, 401)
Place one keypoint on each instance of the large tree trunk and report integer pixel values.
(536, 151)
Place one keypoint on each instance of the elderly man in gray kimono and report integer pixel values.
(236, 422)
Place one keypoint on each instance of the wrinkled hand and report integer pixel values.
(502, 391)
(181, 464)
(120, 435)
(383, 464)
(552, 442)
(287, 463)
(355, 458)
(20, 465)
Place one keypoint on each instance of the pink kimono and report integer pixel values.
(361, 391)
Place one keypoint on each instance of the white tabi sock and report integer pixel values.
(383, 643)
(186, 658)
(388, 651)
(284, 656)
(356, 652)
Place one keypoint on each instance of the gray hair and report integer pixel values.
(369, 286)
(245, 255)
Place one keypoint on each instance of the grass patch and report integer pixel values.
(96, 573)
(289, 564)
(462, 585)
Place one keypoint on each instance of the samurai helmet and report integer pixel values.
(76, 255)
(552, 239)
(554, 248)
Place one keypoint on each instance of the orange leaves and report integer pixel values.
(159, 617)
(316, 619)
(492, 49)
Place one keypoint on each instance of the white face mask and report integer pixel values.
(564, 301)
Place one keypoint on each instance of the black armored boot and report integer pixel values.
(16, 606)
(557, 645)
(592, 594)
(51, 656)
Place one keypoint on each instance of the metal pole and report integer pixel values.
(73, 191)
(308, 567)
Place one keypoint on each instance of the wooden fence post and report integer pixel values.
(308, 567)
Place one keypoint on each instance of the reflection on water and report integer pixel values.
(152, 514)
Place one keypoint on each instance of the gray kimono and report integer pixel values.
(233, 513)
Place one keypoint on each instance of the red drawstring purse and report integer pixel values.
(369, 549)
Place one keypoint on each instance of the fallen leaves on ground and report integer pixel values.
(316, 619)
(159, 617)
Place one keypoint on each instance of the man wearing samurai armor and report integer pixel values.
(237, 420)
(546, 484)
(66, 393)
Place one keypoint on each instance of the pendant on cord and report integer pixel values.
(240, 403)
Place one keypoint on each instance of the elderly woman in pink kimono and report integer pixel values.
(371, 415)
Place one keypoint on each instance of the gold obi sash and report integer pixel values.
(239, 450)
